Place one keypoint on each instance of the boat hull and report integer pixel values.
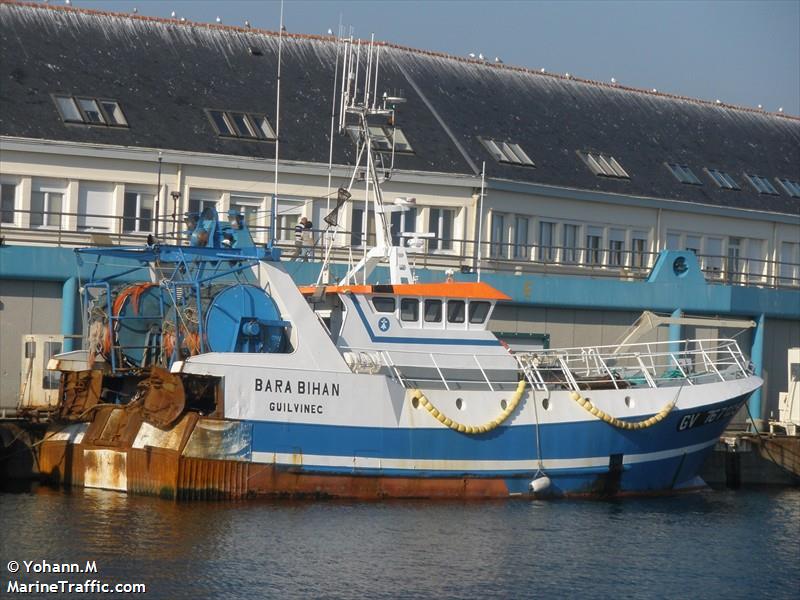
(202, 458)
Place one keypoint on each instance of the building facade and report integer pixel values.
(113, 126)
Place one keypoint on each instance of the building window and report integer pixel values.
(604, 165)
(792, 187)
(249, 126)
(756, 262)
(137, 212)
(403, 221)
(761, 184)
(639, 243)
(358, 233)
(198, 205)
(248, 207)
(520, 237)
(8, 202)
(733, 268)
(616, 247)
(722, 179)
(594, 240)
(90, 111)
(683, 174)
(570, 244)
(547, 247)
(789, 270)
(713, 257)
(46, 209)
(499, 235)
(507, 152)
(440, 223)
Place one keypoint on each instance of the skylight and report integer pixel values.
(762, 184)
(792, 187)
(507, 152)
(382, 138)
(250, 126)
(722, 179)
(683, 174)
(604, 165)
(90, 111)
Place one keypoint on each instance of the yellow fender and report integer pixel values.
(618, 423)
(471, 429)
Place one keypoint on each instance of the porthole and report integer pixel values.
(459, 404)
(503, 404)
(546, 403)
(415, 402)
(629, 402)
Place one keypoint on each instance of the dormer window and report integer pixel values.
(792, 187)
(90, 111)
(722, 179)
(683, 174)
(234, 124)
(507, 152)
(604, 165)
(762, 184)
(382, 138)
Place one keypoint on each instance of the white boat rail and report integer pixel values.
(649, 364)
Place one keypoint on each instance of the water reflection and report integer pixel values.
(712, 544)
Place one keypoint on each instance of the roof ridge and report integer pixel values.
(403, 48)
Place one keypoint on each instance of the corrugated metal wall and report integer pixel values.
(25, 307)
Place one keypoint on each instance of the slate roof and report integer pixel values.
(165, 73)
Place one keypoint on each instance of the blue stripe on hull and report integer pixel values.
(559, 441)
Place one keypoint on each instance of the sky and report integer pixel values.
(740, 52)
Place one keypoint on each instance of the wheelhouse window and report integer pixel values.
(433, 311)
(238, 124)
(383, 304)
(455, 311)
(409, 309)
(90, 111)
(478, 311)
(138, 212)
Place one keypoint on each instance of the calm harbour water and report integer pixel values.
(716, 544)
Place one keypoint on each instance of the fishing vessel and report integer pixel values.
(207, 372)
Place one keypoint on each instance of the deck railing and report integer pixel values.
(70, 230)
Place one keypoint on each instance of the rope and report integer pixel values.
(471, 429)
(620, 424)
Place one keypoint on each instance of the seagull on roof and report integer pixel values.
(471, 55)
(219, 19)
(613, 80)
(480, 56)
(498, 60)
(173, 14)
(247, 23)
